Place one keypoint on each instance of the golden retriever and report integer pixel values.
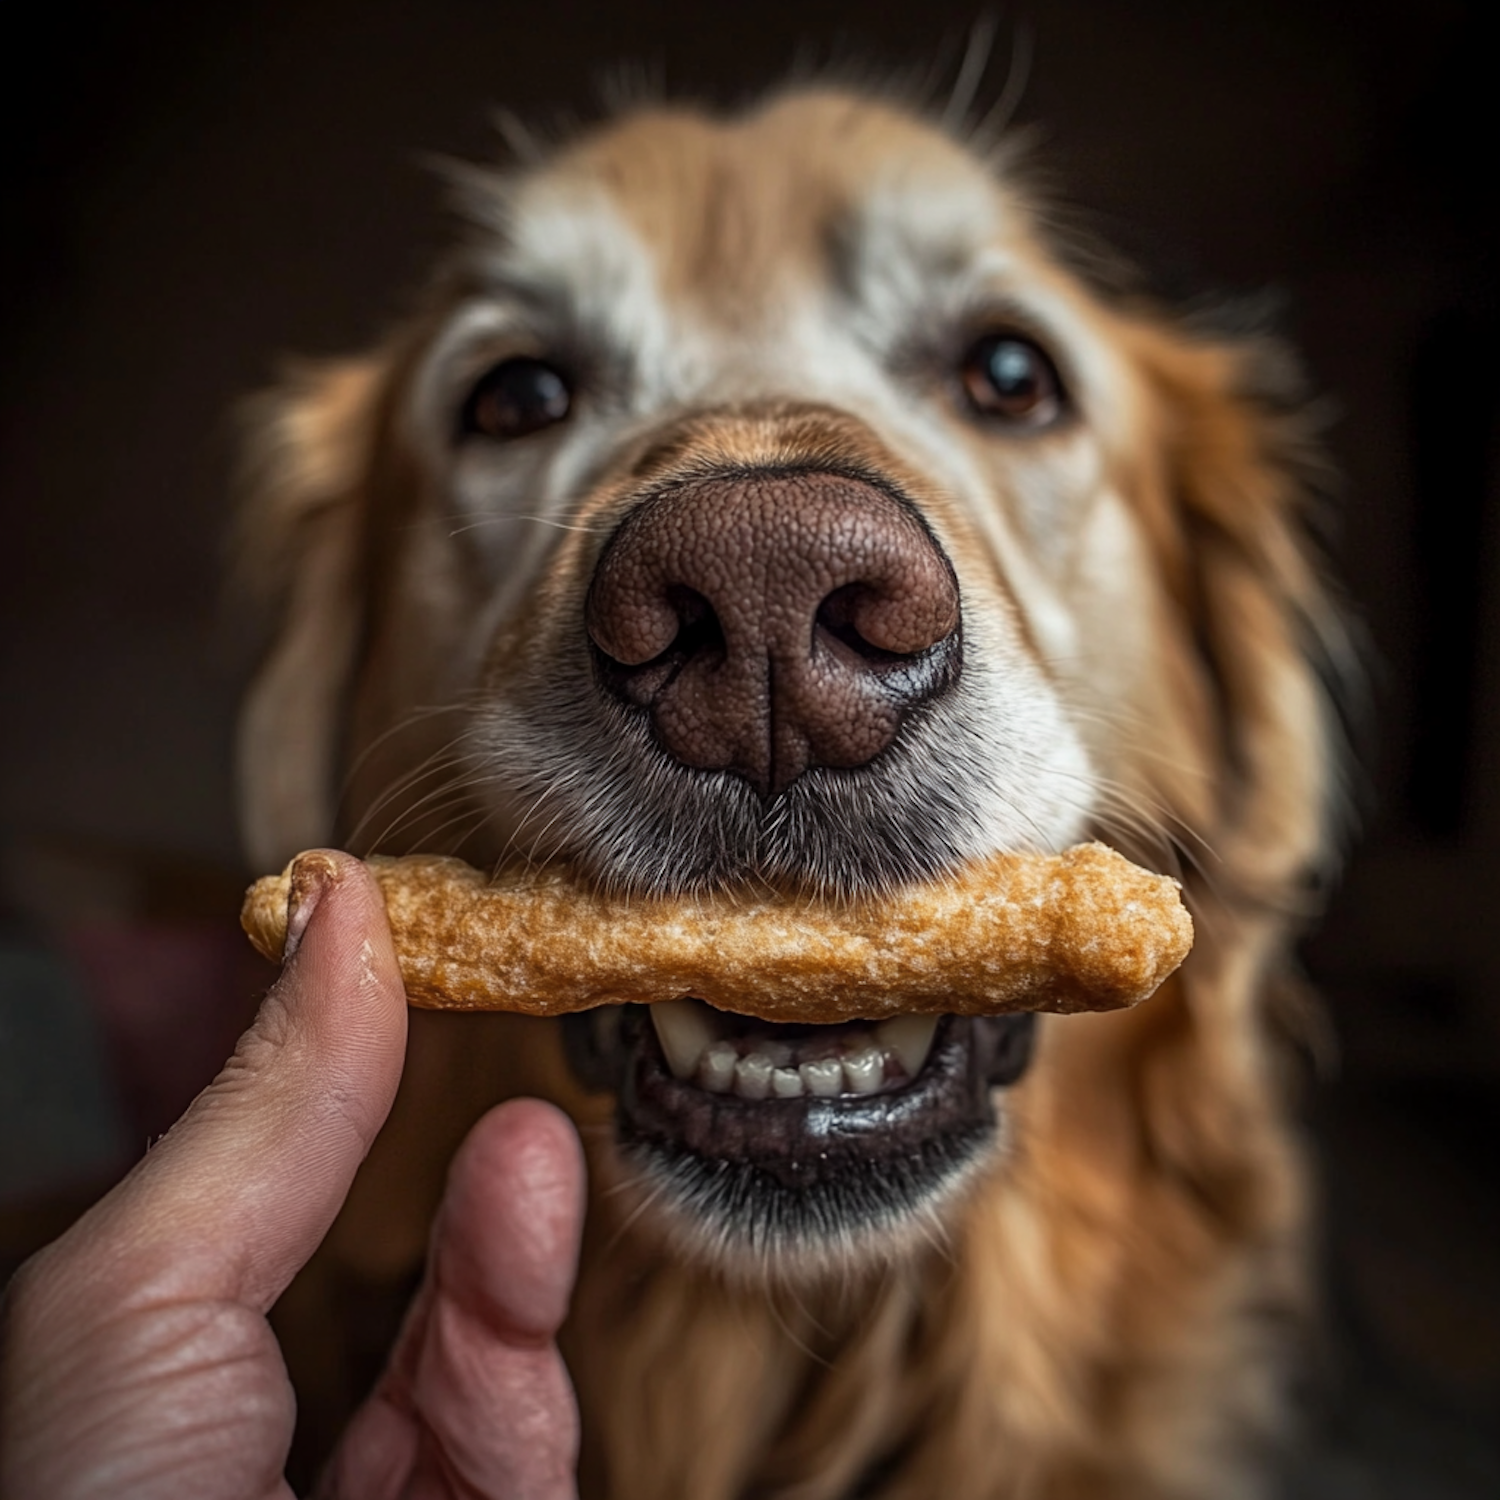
(782, 497)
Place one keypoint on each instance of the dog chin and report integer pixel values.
(784, 1153)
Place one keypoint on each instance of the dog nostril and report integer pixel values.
(698, 627)
(638, 678)
(836, 617)
(865, 620)
(772, 624)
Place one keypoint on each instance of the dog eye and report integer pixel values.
(517, 397)
(1007, 376)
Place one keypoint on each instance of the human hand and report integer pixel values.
(138, 1361)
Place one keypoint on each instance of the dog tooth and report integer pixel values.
(865, 1070)
(779, 1053)
(824, 1078)
(752, 1076)
(910, 1038)
(716, 1067)
(786, 1083)
(686, 1029)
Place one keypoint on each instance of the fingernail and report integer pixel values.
(311, 876)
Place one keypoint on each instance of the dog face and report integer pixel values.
(765, 500)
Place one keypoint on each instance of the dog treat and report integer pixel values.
(1082, 930)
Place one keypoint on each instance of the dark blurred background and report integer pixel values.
(192, 191)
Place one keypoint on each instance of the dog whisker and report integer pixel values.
(406, 814)
(651, 1198)
(790, 1334)
(520, 832)
(557, 524)
(419, 715)
(441, 761)
(471, 777)
(457, 796)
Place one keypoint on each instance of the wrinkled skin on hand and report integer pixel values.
(137, 1357)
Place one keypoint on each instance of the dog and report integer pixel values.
(785, 497)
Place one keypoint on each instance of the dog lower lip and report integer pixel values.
(890, 1148)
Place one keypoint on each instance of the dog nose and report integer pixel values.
(774, 623)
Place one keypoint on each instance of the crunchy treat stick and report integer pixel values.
(1082, 930)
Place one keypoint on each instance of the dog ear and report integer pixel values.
(1227, 489)
(298, 551)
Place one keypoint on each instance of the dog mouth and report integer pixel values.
(787, 1139)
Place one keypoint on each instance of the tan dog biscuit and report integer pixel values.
(1082, 930)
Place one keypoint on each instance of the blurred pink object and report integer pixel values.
(172, 999)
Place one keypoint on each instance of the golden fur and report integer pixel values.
(1106, 1312)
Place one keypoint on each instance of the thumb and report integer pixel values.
(238, 1194)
